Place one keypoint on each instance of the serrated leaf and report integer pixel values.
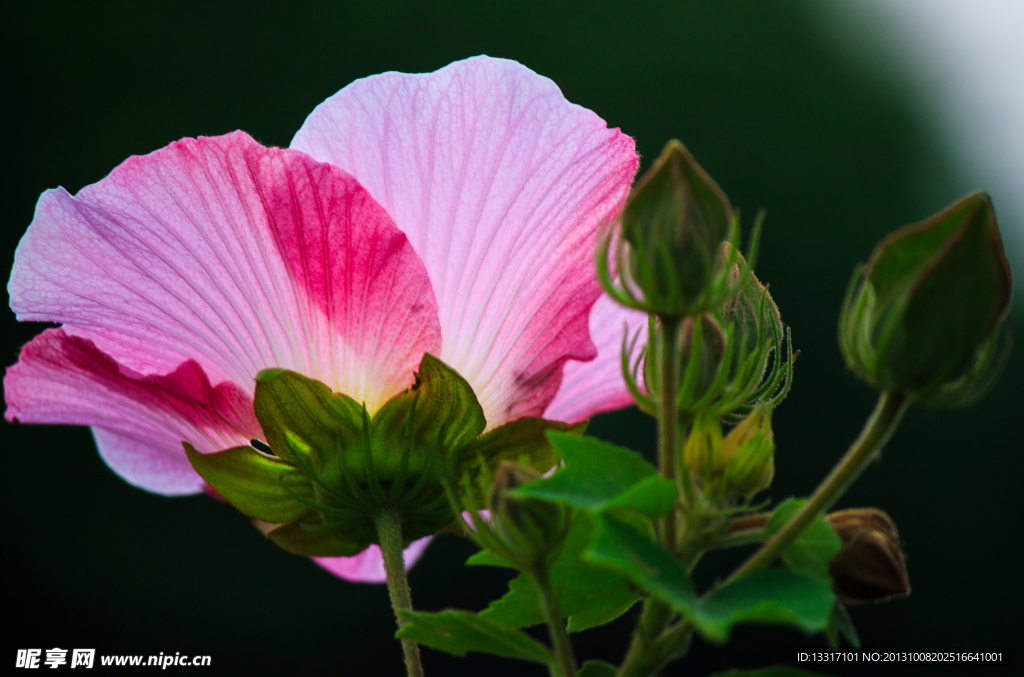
(459, 632)
(775, 671)
(259, 485)
(597, 669)
(588, 595)
(774, 596)
(812, 550)
(595, 472)
(653, 496)
(523, 441)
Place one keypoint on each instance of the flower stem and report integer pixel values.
(862, 452)
(556, 625)
(389, 536)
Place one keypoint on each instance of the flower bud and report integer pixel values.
(924, 316)
(532, 531)
(749, 449)
(704, 452)
(674, 224)
(870, 567)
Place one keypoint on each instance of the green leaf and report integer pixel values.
(775, 596)
(259, 485)
(303, 420)
(306, 540)
(595, 472)
(776, 671)
(521, 441)
(772, 596)
(488, 558)
(458, 632)
(813, 549)
(653, 496)
(597, 669)
(588, 595)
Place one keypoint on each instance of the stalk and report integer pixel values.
(389, 536)
(566, 666)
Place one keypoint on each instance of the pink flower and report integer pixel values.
(453, 213)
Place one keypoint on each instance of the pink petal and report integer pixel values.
(368, 566)
(501, 185)
(590, 388)
(138, 421)
(238, 257)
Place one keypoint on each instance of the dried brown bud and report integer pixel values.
(870, 567)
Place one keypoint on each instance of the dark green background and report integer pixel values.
(770, 109)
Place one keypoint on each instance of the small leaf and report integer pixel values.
(772, 596)
(588, 595)
(597, 669)
(259, 485)
(776, 671)
(595, 472)
(458, 632)
(812, 550)
(521, 441)
(488, 558)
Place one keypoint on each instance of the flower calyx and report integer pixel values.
(925, 315)
(668, 252)
(328, 467)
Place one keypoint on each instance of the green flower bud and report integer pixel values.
(531, 532)
(704, 452)
(670, 251)
(749, 450)
(924, 316)
(871, 566)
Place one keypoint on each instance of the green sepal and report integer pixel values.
(776, 596)
(301, 538)
(522, 441)
(814, 548)
(597, 669)
(303, 420)
(588, 595)
(459, 632)
(446, 417)
(259, 485)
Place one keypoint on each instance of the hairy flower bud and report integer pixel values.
(704, 452)
(870, 567)
(673, 227)
(749, 449)
(530, 531)
(924, 316)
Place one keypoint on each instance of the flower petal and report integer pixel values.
(238, 257)
(368, 566)
(501, 185)
(590, 388)
(138, 421)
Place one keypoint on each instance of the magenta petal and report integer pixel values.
(139, 421)
(238, 257)
(590, 388)
(368, 566)
(501, 185)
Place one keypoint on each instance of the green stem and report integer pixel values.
(389, 537)
(556, 625)
(862, 452)
(668, 424)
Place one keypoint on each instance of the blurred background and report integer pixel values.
(842, 120)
